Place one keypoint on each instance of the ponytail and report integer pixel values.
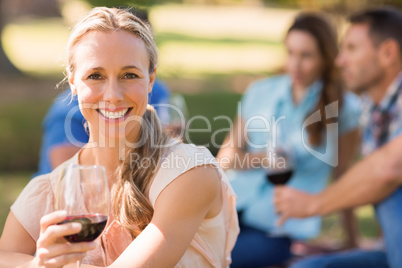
(130, 205)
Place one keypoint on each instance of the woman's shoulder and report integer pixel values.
(268, 84)
(55, 175)
(352, 102)
(264, 91)
(179, 159)
(184, 156)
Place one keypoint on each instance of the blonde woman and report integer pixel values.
(164, 215)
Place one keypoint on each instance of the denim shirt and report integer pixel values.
(268, 101)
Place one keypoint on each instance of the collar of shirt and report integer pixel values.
(392, 90)
(309, 99)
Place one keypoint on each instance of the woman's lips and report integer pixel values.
(116, 114)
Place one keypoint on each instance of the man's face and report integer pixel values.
(358, 59)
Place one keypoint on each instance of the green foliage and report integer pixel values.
(11, 184)
(123, 3)
(213, 113)
(20, 134)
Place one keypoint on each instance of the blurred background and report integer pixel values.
(210, 50)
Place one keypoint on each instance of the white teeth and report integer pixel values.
(113, 115)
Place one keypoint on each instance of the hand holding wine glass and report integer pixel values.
(84, 194)
(51, 250)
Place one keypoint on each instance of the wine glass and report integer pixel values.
(281, 165)
(281, 156)
(83, 192)
(279, 172)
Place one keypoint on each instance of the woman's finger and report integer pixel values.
(62, 260)
(56, 250)
(51, 219)
(54, 232)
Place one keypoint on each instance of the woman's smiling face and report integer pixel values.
(112, 80)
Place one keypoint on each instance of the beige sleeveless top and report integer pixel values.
(211, 246)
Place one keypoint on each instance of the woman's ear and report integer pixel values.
(152, 77)
(71, 82)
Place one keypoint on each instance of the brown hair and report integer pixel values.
(383, 23)
(326, 37)
(130, 205)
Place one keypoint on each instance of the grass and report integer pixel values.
(11, 184)
(207, 43)
(207, 111)
(166, 37)
(20, 134)
(36, 46)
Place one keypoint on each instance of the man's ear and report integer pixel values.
(152, 77)
(389, 52)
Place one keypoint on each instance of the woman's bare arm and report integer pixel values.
(16, 245)
(179, 210)
(233, 153)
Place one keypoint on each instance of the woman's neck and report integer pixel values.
(298, 92)
(104, 156)
(109, 154)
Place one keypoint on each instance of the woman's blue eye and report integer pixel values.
(94, 76)
(130, 76)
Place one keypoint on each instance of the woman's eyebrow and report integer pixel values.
(130, 67)
(97, 69)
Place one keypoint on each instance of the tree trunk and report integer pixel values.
(6, 67)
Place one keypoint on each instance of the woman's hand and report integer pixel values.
(52, 250)
(291, 203)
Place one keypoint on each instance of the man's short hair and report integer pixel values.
(384, 23)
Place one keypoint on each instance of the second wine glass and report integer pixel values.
(280, 171)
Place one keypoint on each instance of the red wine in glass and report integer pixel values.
(92, 227)
(279, 177)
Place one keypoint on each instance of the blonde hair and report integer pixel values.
(112, 19)
(130, 205)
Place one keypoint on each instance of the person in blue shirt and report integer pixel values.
(64, 131)
(317, 122)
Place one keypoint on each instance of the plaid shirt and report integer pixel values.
(382, 122)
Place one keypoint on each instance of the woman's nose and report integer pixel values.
(339, 61)
(113, 92)
(294, 64)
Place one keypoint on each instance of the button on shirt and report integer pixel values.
(265, 102)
